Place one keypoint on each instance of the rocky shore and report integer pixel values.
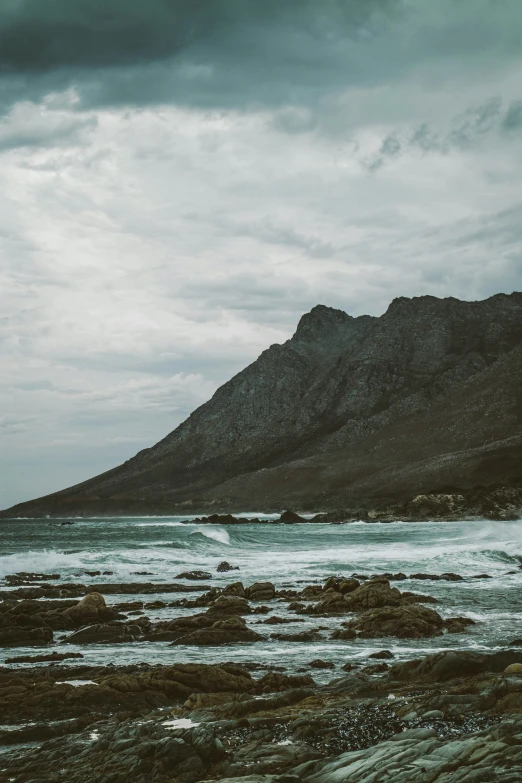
(452, 717)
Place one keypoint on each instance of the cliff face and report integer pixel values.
(365, 410)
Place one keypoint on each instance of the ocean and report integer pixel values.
(290, 556)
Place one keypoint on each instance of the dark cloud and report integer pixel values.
(238, 52)
(36, 36)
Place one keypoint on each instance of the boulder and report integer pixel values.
(343, 635)
(236, 588)
(440, 667)
(341, 585)
(25, 637)
(230, 631)
(261, 591)
(106, 633)
(320, 664)
(223, 567)
(404, 622)
(342, 515)
(333, 603)
(91, 609)
(371, 595)
(291, 517)
(195, 575)
(229, 605)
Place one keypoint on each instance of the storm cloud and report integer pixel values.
(182, 179)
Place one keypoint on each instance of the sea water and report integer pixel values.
(291, 556)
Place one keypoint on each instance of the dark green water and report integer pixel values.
(290, 556)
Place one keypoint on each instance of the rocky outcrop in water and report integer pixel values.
(350, 413)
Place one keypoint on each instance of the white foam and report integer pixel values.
(181, 723)
(217, 534)
(76, 683)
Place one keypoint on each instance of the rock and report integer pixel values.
(341, 585)
(23, 577)
(385, 654)
(106, 633)
(91, 609)
(274, 681)
(25, 637)
(291, 517)
(333, 603)
(51, 658)
(458, 624)
(342, 515)
(372, 595)
(195, 575)
(516, 643)
(224, 566)
(229, 631)
(319, 664)
(514, 668)
(376, 668)
(440, 667)
(261, 591)
(404, 622)
(229, 604)
(236, 588)
(302, 636)
(344, 635)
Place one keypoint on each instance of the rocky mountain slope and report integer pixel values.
(425, 398)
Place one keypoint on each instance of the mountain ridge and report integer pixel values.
(335, 403)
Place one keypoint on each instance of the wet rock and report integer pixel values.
(195, 575)
(236, 588)
(276, 682)
(223, 567)
(229, 605)
(384, 654)
(403, 622)
(343, 635)
(90, 610)
(25, 637)
(106, 633)
(302, 636)
(440, 667)
(458, 624)
(372, 595)
(377, 668)
(23, 577)
(230, 631)
(342, 515)
(261, 591)
(291, 517)
(275, 620)
(341, 585)
(320, 664)
(50, 658)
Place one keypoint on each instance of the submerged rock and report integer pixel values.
(223, 567)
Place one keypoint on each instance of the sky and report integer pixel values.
(183, 179)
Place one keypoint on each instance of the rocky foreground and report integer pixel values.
(451, 717)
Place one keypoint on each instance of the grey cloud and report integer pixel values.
(513, 117)
(466, 130)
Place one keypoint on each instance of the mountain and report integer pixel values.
(349, 411)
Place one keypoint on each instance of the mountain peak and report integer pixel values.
(320, 323)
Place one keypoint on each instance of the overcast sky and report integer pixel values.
(182, 179)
